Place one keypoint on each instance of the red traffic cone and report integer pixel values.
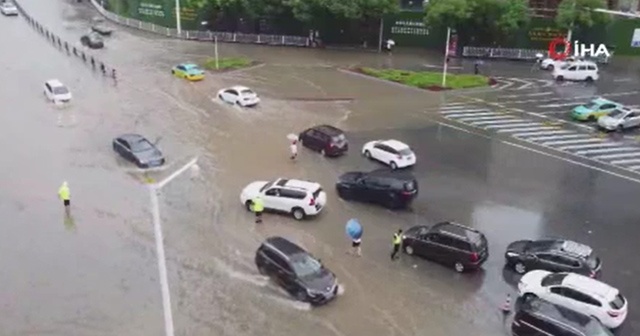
(506, 306)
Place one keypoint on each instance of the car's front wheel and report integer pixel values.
(393, 165)
(173, 72)
(459, 267)
(519, 268)
(367, 154)
(550, 67)
(592, 118)
(620, 128)
(408, 250)
(248, 204)
(262, 270)
(297, 213)
(559, 78)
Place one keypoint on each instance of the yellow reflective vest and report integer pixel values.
(64, 192)
(257, 205)
(397, 240)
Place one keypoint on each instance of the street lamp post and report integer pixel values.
(178, 23)
(154, 190)
(215, 43)
(446, 58)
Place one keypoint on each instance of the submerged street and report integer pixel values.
(97, 274)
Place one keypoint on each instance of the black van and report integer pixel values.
(326, 139)
(537, 317)
(390, 188)
(296, 271)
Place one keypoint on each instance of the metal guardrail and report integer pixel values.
(281, 40)
(502, 53)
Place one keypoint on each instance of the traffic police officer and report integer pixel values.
(397, 242)
(65, 195)
(257, 206)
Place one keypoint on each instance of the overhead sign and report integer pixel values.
(635, 39)
(150, 9)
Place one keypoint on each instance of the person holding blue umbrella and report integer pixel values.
(354, 232)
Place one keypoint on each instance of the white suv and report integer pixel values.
(577, 292)
(393, 153)
(296, 197)
(577, 71)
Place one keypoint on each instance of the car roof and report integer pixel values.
(189, 65)
(590, 286)
(328, 129)
(54, 82)
(564, 315)
(559, 245)
(603, 101)
(456, 229)
(395, 174)
(283, 245)
(297, 184)
(240, 88)
(395, 144)
(583, 62)
(132, 137)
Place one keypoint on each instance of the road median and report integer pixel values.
(426, 80)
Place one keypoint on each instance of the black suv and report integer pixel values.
(448, 243)
(390, 188)
(297, 271)
(92, 40)
(326, 139)
(553, 255)
(536, 317)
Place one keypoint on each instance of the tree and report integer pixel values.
(307, 10)
(574, 14)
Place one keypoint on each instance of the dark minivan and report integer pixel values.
(296, 271)
(537, 317)
(325, 139)
(390, 188)
(448, 243)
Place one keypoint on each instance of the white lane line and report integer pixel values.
(524, 86)
(558, 105)
(499, 122)
(457, 107)
(456, 103)
(619, 80)
(537, 94)
(633, 167)
(527, 134)
(600, 145)
(513, 125)
(615, 156)
(618, 162)
(568, 142)
(518, 129)
(545, 82)
(509, 83)
(486, 118)
(558, 137)
(458, 115)
(606, 150)
(463, 111)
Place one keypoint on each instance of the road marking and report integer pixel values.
(456, 107)
(619, 80)
(463, 111)
(499, 122)
(634, 167)
(558, 105)
(545, 82)
(567, 142)
(456, 103)
(521, 135)
(558, 137)
(509, 83)
(625, 161)
(487, 118)
(617, 94)
(458, 115)
(606, 150)
(524, 86)
(615, 156)
(518, 129)
(513, 125)
(600, 145)
(537, 94)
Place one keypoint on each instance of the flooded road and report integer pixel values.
(98, 275)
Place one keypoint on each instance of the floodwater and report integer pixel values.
(97, 275)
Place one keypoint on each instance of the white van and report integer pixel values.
(577, 71)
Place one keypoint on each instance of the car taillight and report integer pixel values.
(474, 257)
(407, 193)
(312, 201)
(592, 274)
(613, 313)
(331, 145)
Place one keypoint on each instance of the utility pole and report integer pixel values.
(446, 58)
(380, 35)
(178, 23)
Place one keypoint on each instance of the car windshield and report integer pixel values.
(565, 66)
(618, 302)
(141, 146)
(247, 92)
(405, 152)
(338, 138)
(191, 67)
(266, 186)
(553, 279)
(60, 90)
(305, 266)
(592, 106)
(617, 113)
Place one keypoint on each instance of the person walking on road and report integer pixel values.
(397, 243)
(65, 195)
(355, 247)
(257, 206)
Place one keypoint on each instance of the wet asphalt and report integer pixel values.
(97, 275)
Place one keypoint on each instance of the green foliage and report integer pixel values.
(579, 13)
(425, 79)
(227, 63)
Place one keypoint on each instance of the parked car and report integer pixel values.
(577, 292)
(537, 317)
(620, 119)
(102, 29)
(137, 149)
(595, 109)
(8, 9)
(393, 153)
(296, 197)
(448, 243)
(56, 92)
(296, 271)
(188, 71)
(239, 95)
(92, 40)
(577, 71)
(389, 188)
(554, 255)
(326, 139)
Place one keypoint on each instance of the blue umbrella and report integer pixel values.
(354, 229)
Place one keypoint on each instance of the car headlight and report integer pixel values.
(511, 254)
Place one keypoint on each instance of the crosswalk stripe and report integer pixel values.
(519, 129)
(513, 125)
(633, 167)
(455, 104)
(558, 137)
(619, 162)
(522, 135)
(567, 142)
(599, 145)
(605, 150)
(458, 115)
(463, 111)
(456, 107)
(615, 156)
(486, 118)
(499, 122)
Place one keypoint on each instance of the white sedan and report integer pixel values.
(8, 9)
(56, 92)
(239, 95)
(393, 153)
(550, 63)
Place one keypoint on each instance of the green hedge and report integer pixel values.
(426, 79)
